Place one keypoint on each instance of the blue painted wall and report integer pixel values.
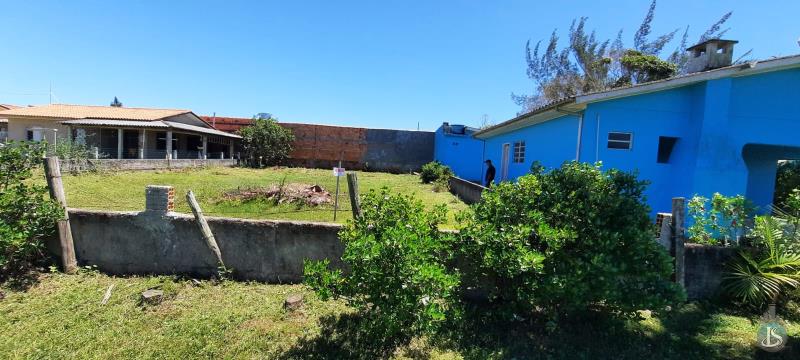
(460, 152)
(551, 143)
(731, 133)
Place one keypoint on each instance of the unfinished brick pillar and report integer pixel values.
(160, 198)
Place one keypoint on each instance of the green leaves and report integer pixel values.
(398, 266)
(565, 240)
(720, 222)
(762, 277)
(27, 215)
(266, 143)
(434, 171)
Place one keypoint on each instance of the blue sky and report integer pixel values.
(385, 64)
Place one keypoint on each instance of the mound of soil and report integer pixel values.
(313, 195)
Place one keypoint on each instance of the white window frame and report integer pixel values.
(629, 142)
(518, 147)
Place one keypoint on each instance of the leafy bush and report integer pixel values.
(70, 150)
(441, 185)
(266, 143)
(774, 267)
(27, 215)
(787, 180)
(567, 240)
(722, 222)
(398, 274)
(433, 171)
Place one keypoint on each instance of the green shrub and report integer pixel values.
(568, 240)
(762, 276)
(398, 273)
(266, 143)
(441, 184)
(433, 171)
(722, 222)
(27, 215)
(786, 181)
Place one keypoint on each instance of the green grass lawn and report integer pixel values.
(125, 191)
(61, 317)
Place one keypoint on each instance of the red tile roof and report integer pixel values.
(227, 124)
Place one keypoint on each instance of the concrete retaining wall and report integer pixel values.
(468, 192)
(141, 164)
(704, 267)
(151, 242)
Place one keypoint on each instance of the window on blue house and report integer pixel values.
(620, 140)
(665, 146)
(519, 151)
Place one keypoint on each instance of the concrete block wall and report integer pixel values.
(156, 242)
(704, 267)
(467, 191)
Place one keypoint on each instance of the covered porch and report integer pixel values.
(122, 139)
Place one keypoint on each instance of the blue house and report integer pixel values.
(720, 128)
(455, 147)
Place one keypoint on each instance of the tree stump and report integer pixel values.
(293, 302)
(152, 296)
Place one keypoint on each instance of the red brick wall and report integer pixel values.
(315, 145)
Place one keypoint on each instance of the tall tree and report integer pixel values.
(588, 64)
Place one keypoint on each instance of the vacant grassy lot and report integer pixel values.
(61, 317)
(125, 191)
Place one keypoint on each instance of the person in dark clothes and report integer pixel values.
(489, 173)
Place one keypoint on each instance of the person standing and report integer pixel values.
(490, 171)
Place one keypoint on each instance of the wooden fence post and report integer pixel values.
(204, 228)
(679, 232)
(52, 171)
(352, 187)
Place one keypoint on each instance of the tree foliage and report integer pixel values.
(27, 215)
(788, 179)
(567, 240)
(266, 142)
(588, 64)
(398, 268)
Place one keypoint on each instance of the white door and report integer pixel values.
(504, 162)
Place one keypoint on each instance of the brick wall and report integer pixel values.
(322, 146)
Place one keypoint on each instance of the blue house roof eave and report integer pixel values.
(576, 104)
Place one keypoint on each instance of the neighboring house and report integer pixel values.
(720, 129)
(4, 122)
(122, 133)
(455, 146)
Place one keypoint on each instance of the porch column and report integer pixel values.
(230, 149)
(142, 143)
(169, 144)
(205, 147)
(119, 143)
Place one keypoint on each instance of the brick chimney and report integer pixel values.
(710, 54)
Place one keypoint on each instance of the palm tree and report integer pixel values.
(774, 269)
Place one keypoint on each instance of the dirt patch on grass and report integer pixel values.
(295, 193)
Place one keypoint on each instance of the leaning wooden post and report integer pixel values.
(204, 228)
(52, 170)
(352, 187)
(679, 232)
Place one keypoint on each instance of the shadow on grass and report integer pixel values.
(693, 332)
(347, 336)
